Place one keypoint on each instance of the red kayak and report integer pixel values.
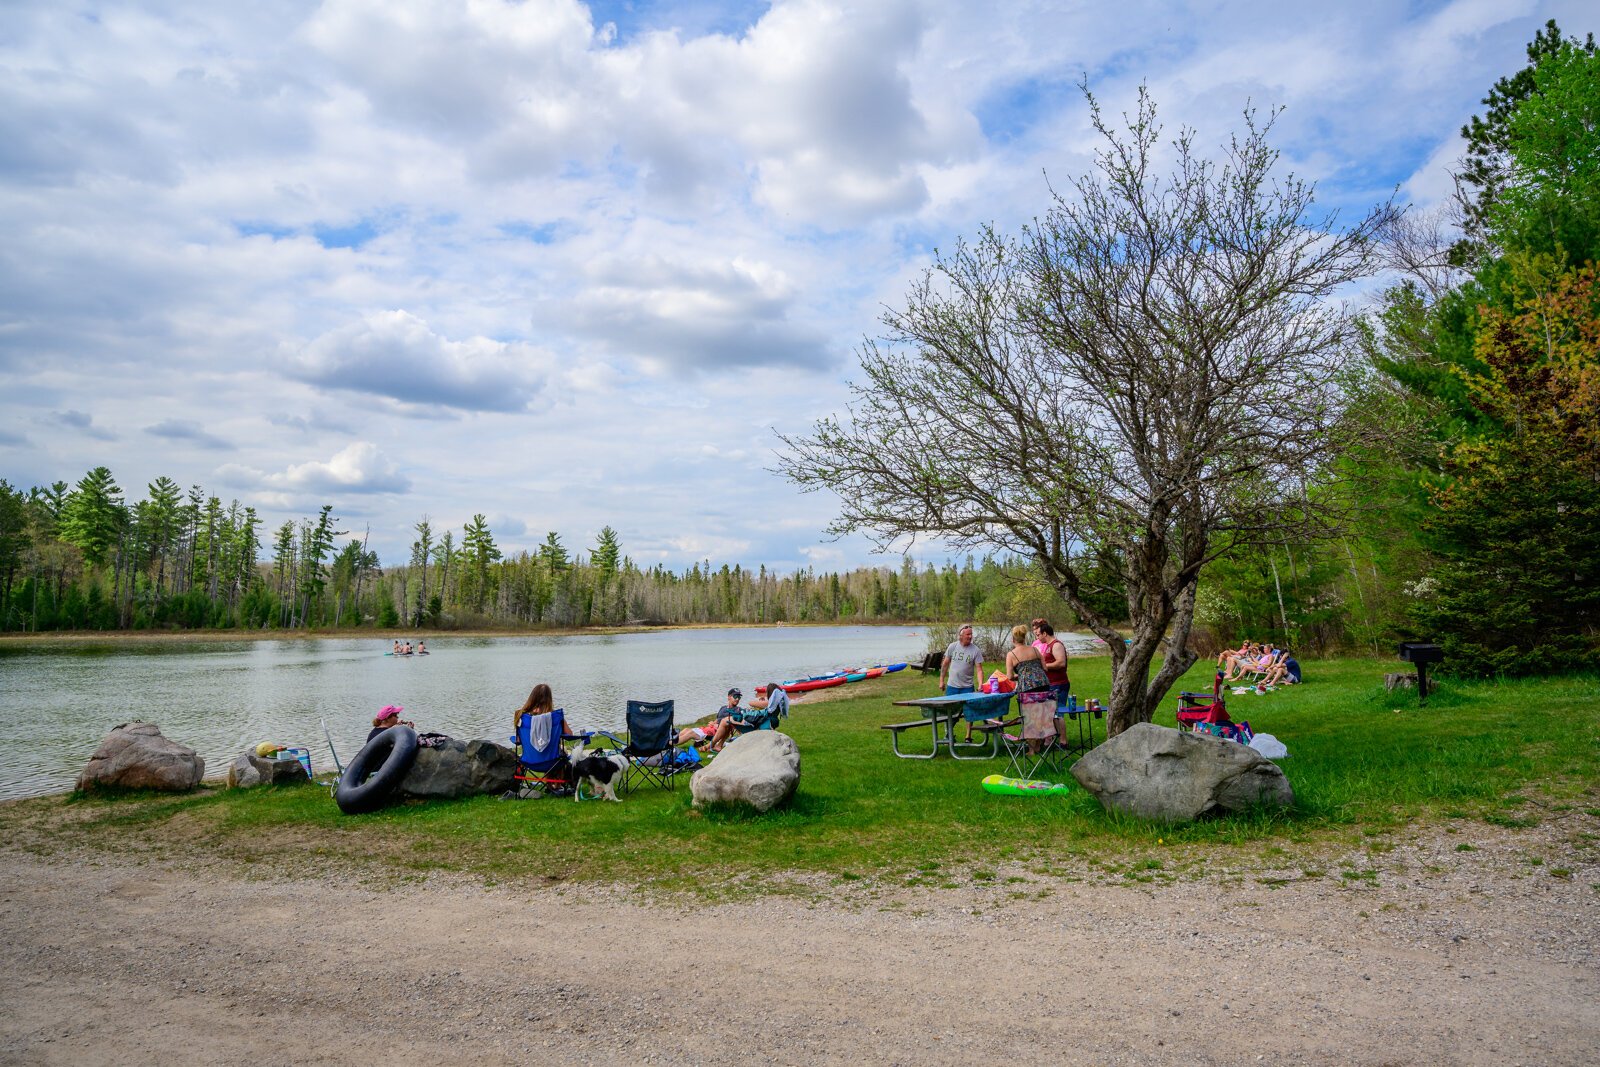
(817, 683)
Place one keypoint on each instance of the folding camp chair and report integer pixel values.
(1035, 746)
(1197, 708)
(1207, 713)
(652, 748)
(749, 720)
(541, 762)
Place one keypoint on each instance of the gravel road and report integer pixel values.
(1424, 954)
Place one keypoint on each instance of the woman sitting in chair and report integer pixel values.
(1035, 696)
(541, 702)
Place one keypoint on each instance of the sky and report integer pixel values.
(571, 265)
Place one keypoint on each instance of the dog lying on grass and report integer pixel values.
(601, 772)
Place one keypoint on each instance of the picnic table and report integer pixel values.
(944, 712)
(941, 713)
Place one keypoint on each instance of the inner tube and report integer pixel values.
(376, 771)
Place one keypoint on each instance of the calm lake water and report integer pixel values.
(57, 703)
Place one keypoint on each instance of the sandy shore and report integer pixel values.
(1423, 954)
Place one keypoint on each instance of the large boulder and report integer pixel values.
(761, 769)
(136, 756)
(1157, 772)
(461, 769)
(250, 769)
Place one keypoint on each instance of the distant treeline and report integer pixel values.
(81, 558)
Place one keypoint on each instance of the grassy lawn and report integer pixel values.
(1362, 763)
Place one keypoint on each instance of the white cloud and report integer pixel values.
(360, 468)
(395, 354)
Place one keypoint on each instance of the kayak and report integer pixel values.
(894, 667)
(877, 672)
(812, 678)
(855, 677)
(814, 683)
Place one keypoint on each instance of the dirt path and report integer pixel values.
(1442, 957)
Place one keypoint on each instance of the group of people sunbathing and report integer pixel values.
(731, 719)
(1261, 665)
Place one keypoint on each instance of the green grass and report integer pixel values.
(1362, 762)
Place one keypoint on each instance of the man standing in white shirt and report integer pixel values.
(962, 664)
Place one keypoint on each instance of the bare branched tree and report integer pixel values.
(1141, 381)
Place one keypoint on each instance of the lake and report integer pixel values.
(58, 702)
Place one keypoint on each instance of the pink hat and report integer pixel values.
(386, 711)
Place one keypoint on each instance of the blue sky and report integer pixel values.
(572, 265)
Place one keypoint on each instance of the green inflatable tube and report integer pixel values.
(1022, 787)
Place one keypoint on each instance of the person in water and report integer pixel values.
(387, 718)
(422, 648)
(396, 651)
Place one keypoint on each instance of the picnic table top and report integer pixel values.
(955, 700)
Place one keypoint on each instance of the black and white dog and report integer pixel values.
(601, 772)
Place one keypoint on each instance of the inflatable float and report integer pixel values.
(376, 771)
(1022, 787)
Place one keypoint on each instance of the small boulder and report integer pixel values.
(250, 769)
(461, 769)
(1400, 680)
(1156, 772)
(136, 756)
(761, 769)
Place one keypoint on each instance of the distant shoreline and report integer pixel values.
(85, 637)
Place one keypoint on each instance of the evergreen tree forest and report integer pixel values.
(80, 557)
(1472, 492)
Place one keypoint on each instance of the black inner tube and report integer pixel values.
(376, 771)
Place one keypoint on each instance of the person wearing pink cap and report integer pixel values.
(389, 716)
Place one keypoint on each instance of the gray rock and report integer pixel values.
(461, 769)
(1157, 772)
(250, 769)
(136, 756)
(761, 769)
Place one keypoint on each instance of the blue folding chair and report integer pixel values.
(542, 768)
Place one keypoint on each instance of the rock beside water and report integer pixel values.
(251, 770)
(461, 769)
(136, 756)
